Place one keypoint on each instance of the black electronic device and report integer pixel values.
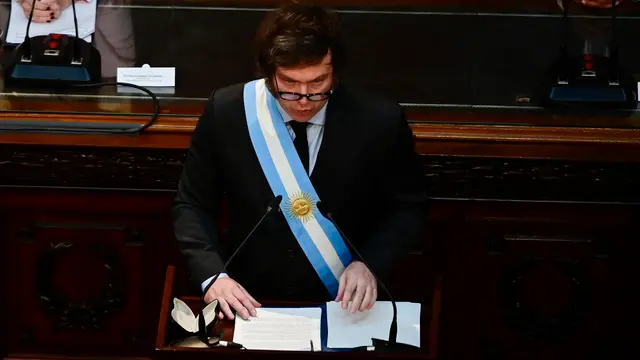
(590, 80)
(53, 60)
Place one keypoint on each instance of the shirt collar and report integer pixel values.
(317, 119)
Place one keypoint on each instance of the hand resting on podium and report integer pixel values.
(357, 290)
(230, 294)
(358, 286)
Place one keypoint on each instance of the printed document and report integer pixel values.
(85, 11)
(347, 330)
(280, 329)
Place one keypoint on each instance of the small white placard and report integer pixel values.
(147, 76)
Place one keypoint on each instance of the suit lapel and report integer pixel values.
(331, 159)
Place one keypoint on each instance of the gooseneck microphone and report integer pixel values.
(378, 344)
(77, 57)
(26, 54)
(202, 326)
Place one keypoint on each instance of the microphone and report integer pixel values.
(27, 42)
(202, 326)
(77, 57)
(26, 54)
(379, 345)
(231, 344)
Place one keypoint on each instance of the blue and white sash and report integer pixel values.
(317, 236)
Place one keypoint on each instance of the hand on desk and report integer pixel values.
(230, 295)
(358, 285)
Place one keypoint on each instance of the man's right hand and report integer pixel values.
(231, 295)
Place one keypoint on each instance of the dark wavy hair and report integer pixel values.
(298, 34)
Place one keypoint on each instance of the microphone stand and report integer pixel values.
(379, 345)
(202, 325)
(26, 55)
(77, 57)
(614, 77)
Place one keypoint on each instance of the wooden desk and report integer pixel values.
(165, 335)
(515, 189)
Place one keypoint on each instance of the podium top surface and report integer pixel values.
(169, 333)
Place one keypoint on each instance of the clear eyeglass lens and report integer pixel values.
(294, 97)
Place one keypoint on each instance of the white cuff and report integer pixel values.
(206, 282)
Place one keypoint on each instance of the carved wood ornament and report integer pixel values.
(80, 315)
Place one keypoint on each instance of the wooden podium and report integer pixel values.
(167, 333)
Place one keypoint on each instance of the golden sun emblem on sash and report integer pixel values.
(300, 206)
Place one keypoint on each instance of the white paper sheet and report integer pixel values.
(85, 12)
(347, 330)
(280, 329)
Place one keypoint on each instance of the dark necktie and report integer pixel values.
(300, 142)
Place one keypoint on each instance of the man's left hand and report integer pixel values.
(358, 285)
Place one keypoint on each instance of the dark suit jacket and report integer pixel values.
(367, 174)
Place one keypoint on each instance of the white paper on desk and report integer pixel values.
(347, 330)
(280, 329)
(85, 12)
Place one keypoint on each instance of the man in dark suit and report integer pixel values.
(302, 134)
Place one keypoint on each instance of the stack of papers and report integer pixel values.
(300, 328)
(280, 329)
(347, 330)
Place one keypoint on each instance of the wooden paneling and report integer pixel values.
(83, 272)
(559, 195)
(58, 357)
(535, 280)
(542, 142)
(4, 280)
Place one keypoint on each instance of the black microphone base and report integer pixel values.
(603, 85)
(385, 346)
(195, 342)
(53, 60)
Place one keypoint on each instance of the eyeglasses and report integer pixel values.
(292, 96)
